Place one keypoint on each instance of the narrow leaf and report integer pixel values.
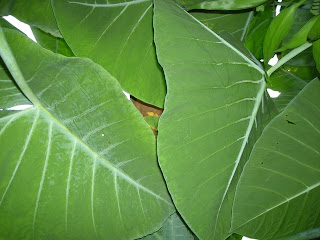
(258, 29)
(314, 33)
(301, 37)
(79, 164)
(279, 190)
(278, 30)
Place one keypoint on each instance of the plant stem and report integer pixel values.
(13, 67)
(287, 57)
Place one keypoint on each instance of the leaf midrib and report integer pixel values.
(104, 161)
(253, 115)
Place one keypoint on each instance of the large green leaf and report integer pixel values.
(36, 13)
(234, 22)
(119, 37)
(10, 95)
(79, 164)
(210, 119)
(173, 229)
(52, 43)
(279, 190)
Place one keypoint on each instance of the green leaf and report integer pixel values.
(81, 163)
(52, 43)
(283, 81)
(234, 22)
(314, 33)
(301, 37)
(284, 99)
(173, 229)
(303, 65)
(211, 118)
(10, 95)
(316, 53)
(279, 190)
(288, 84)
(278, 29)
(152, 121)
(235, 237)
(36, 13)
(307, 235)
(224, 4)
(122, 42)
(258, 29)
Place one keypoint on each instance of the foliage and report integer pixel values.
(200, 152)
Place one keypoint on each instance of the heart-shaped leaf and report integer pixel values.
(80, 163)
(211, 118)
(119, 37)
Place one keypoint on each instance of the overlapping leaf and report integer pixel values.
(36, 13)
(118, 36)
(257, 30)
(70, 168)
(279, 190)
(210, 121)
(52, 43)
(173, 229)
(234, 22)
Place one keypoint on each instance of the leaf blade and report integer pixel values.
(96, 165)
(290, 184)
(201, 185)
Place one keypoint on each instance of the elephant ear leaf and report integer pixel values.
(279, 190)
(70, 168)
(121, 42)
(211, 118)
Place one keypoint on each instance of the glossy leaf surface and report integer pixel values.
(257, 30)
(69, 165)
(314, 33)
(279, 190)
(173, 229)
(202, 142)
(301, 36)
(278, 30)
(122, 42)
